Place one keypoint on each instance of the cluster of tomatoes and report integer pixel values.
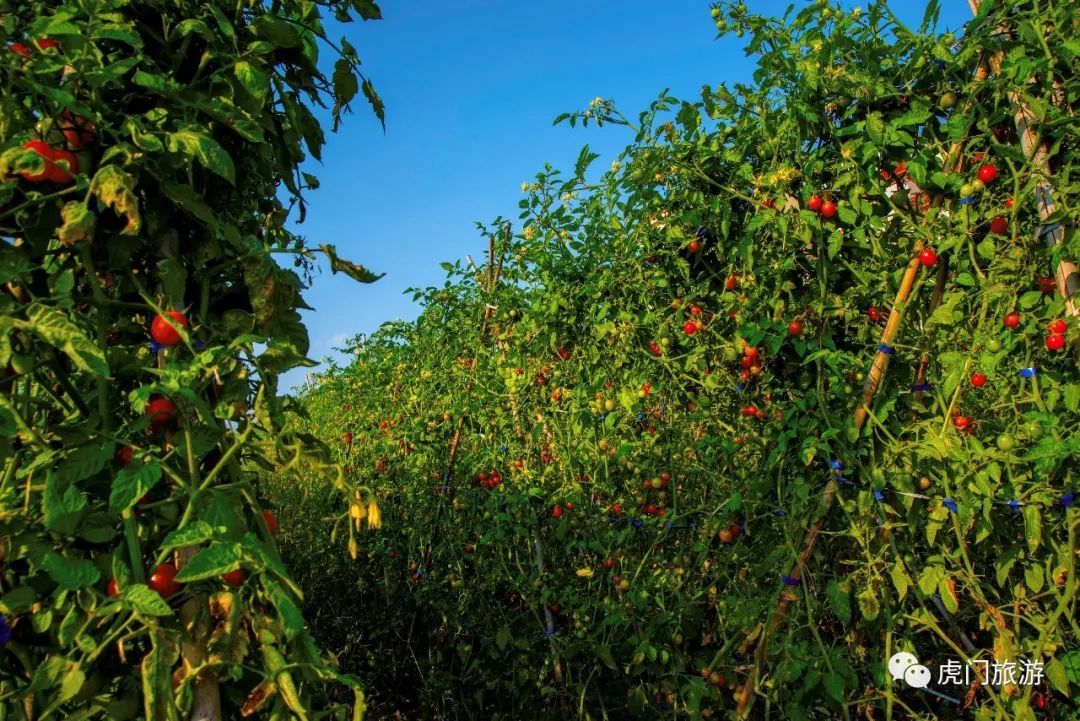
(659, 484)
(163, 579)
(823, 207)
(750, 363)
(695, 322)
(489, 480)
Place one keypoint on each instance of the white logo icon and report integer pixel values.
(900, 662)
(917, 676)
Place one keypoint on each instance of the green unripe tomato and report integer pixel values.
(978, 185)
(947, 100)
(993, 345)
(1033, 430)
(1005, 442)
(22, 363)
(715, 12)
(966, 190)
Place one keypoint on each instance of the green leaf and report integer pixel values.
(291, 618)
(1033, 577)
(839, 600)
(69, 573)
(900, 579)
(1033, 526)
(345, 83)
(17, 600)
(276, 30)
(375, 101)
(1058, 677)
(207, 151)
(55, 328)
(367, 9)
(84, 462)
(193, 534)
(132, 483)
(254, 80)
(211, 562)
(62, 504)
(834, 686)
(502, 638)
(354, 271)
(142, 599)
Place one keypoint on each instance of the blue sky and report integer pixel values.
(471, 88)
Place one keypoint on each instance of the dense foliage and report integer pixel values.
(598, 452)
(150, 154)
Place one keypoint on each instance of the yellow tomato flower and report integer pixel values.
(585, 572)
(374, 515)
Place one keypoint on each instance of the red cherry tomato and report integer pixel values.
(348, 438)
(689, 327)
(164, 333)
(64, 166)
(234, 578)
(112, 588)
(162, 411)
(927, 257)
(978, 379)
(731, 282)
(271, 522)
(1047, 285)
(1009, 203)
(1058, 327)
(828, 209)
(750, 351)
(694, 246)
(78, 131)
(42, 149)
(161, 580)
(1055, 342)
(999, 226)
(556, 512)
(814, 204)
(47, 44)
(1011, 319)
(123, 455)
(794, 328)
(20, 49)
(873, 314)
(987, 173)
(961, 422)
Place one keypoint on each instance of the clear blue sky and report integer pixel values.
(471, 88)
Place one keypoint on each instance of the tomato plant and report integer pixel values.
(150, 156)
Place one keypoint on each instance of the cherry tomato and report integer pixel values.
(47, 44)
(20, 49)
(162, 411)
(814, 204)
(794, 328)
(164, 333)
(161, 580)
(1011, 319)
(42, 149)
(695, 310)
(1047, 285)
(271, 522)
(1058, 327)
(961, 422)
(556, 512)
(689, 327)
(927, 257)
(999, 226)
(731, 282)
(234, 578)
(1005, 442)
(63, 167)
(112, 588)
(1055, 342)
(987, 173)
(694, 246)
(123, 455)
(993, 345)
(873, 314)
(978, 379)
(1009, 203)
(828, 209)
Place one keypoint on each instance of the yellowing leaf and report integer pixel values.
(116, 189)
